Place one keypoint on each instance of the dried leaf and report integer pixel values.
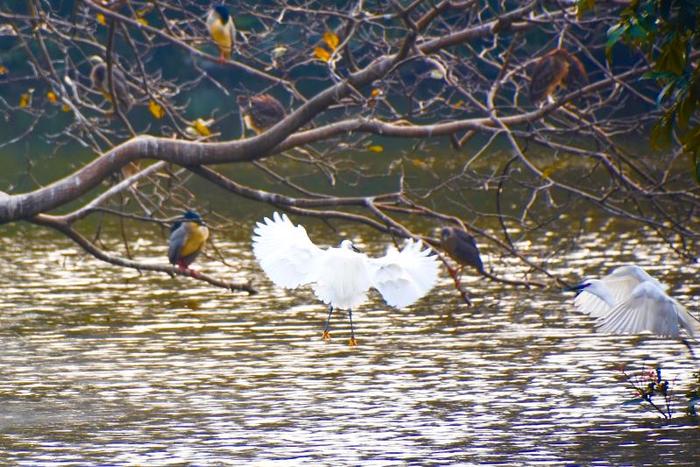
(25, 100)
(376, 148)
(156, 110)
(3, 70)
(101, 19)
(278, 51)
(201, 127)
(322, 54)
(436, 73)
(331, 40)
(375, 92)
(52, 97)
(65, 108)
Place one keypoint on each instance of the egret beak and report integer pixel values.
(577, 288)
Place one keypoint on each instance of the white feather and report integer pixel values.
(285, 251)
(630, 301)
(648, 308)
(618, 285)
(404, 277)
(341, 277)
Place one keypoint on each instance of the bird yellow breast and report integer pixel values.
(221, 35)
(197, 236)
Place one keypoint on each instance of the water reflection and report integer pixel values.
(102, 365)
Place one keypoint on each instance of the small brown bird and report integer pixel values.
(261, 112)
(100, 82)
(554, 69)
(461, 247)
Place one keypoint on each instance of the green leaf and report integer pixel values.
(615, 33)
(673, 56)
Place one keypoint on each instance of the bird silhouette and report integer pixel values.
(260, 112)
(100, 82)
(554, 69)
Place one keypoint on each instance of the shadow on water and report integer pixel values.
(103, 365)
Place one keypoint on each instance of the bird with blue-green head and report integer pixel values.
(188, 235)
(222, 30)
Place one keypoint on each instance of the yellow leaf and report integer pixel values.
(322, 54)
(201, 127)
(459, 104)
(375, 92)
(52, 97)
(65, 108)
(25, 100)
(3, 70)
(142, 21)
(101, 19)
(278, 51)
(331, 40)
(420, 164)
(156, 110)
(375, 148)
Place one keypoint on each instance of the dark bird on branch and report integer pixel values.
(261, 112)
(461, 247)
(557, 68)
(188, 235)
(222, 30)
(100, 82)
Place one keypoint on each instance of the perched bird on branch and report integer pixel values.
(555, 69)
(222, 30)
(630, 301)
(461, 247)
(342, 276)
(188, 235)
(261, 112)
(100, 82)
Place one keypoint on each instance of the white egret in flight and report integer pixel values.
(630, 301)
(341, 276)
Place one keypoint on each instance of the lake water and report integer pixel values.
(102, 365)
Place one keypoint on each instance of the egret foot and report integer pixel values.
(352, 342)
(326, 336)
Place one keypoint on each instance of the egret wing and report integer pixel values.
(404, 277)
(590, 304)
(284, 251)
(647, 309)
(620, 284)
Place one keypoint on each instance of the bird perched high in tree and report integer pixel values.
(555, 69)
(222, 30)
(187, 239)
(100, 82)
(261, 112)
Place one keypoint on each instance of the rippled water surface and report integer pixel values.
(102, 365)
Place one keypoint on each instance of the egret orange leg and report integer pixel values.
(326, 334)
(353, 341)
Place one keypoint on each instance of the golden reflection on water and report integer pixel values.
(105, 366)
